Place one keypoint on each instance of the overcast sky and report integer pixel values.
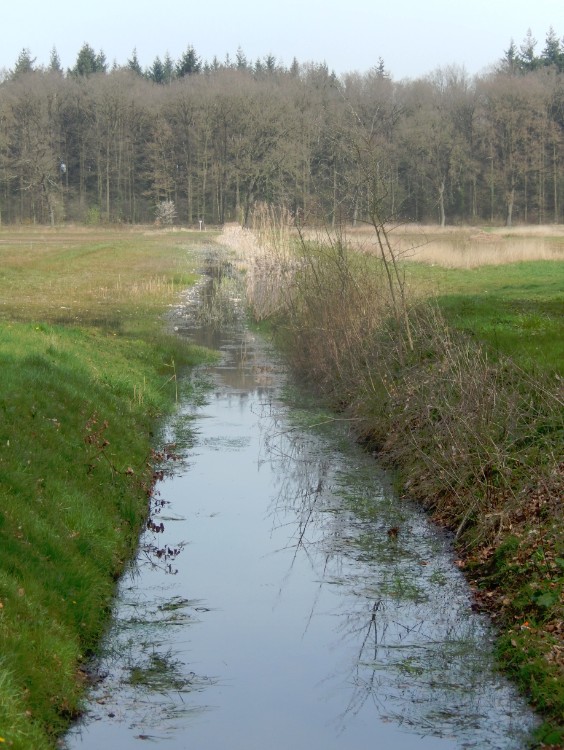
(414, 37)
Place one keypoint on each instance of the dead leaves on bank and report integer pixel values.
(519, 580)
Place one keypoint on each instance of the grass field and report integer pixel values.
(468, 247)
(113, 279)
(86, 372)
(505, 286)
(517, 308)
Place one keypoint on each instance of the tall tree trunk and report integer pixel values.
(189, 198)
(334, 211)
(108, 180)
(555, 181)
(442, 214)
(510, 201)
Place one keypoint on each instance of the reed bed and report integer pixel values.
(265, 254)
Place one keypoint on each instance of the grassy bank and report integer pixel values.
(462, 397)
(86, 372)
(516, 308)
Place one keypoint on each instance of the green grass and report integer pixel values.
(80, 408)
(516, 308)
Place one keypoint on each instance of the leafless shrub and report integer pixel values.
(470, 431)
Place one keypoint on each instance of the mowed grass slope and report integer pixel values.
(86, 371)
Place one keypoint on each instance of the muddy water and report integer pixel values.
(277, 608)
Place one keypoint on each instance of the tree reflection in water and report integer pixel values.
(415, 648)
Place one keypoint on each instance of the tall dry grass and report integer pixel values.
(266, 255)
(465, 247)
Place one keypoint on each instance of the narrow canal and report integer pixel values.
(282, 596)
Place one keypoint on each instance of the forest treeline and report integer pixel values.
(211, 139)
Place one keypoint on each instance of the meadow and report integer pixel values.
(468, 413)
(504, 285)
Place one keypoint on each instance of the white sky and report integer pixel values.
(413, 37)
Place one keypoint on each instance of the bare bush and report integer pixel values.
(471, 432)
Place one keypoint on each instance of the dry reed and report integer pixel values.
(265, 255)
(466, 247)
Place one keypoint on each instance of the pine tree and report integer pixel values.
(240, 60)
(168, 69)
(381, 69)
(552, 54)
(24, 63)
(270, 63)
(527, 57)
(510, 61)
(101, 64)
(156, 71)
(259, 67)
(133, 63)
(88, 62)
(189, 64)
(55, 62)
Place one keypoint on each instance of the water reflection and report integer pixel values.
(416, 651)
(310, 607)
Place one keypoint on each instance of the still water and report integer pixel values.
(276, 607)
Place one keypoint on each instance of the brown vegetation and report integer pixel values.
(465, 247)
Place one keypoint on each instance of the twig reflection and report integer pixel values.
(421, 656)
